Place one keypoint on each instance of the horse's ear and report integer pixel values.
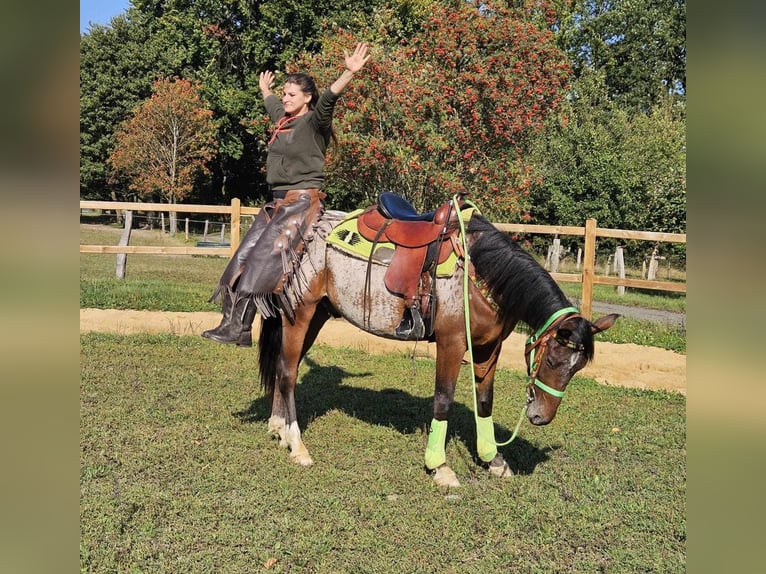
(603, 323)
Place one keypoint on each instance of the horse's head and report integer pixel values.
(554, 354)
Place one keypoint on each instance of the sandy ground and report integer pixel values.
(622, 365)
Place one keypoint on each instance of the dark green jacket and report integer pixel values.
(296, 155)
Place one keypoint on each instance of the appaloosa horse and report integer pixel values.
(505, 285)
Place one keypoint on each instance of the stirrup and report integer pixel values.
(412, 326)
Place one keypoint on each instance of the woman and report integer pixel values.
(256, 276)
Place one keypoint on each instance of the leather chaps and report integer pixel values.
(264, 267)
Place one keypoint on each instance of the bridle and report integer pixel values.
(537, 346)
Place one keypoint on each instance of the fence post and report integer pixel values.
(619, 267)
(588, 268)
(555, 255)
(235, 215)
(651, 274)
(122, 258)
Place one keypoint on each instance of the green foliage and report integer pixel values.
(115, 74)
(452, 100)
(177, 472)
(223, 45)
(640, 47)
(595, 160)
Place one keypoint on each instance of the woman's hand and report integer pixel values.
(354, 63)
(358, 59)
(265, 82)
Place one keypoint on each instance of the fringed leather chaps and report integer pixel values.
(265, 266)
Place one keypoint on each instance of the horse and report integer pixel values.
(505, 285)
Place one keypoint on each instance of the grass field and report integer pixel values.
(178, 473)
(184, 283)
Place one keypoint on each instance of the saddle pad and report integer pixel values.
(346, 237)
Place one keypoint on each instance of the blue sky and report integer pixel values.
(100, 11)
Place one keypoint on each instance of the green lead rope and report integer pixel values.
(467, 315)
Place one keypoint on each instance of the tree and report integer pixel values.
(639, 46)
(167, 142)
(451, 110)
(594, 159)
(115, 75)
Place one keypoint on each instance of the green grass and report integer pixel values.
(184, 283)
(178, 473)
(152, 282)
(663, 300)
(645, 333)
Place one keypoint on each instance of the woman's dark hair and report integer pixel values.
(306, 84)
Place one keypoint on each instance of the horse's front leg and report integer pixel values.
(448, 359)
(485, 363)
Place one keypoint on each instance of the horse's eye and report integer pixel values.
(549, 363)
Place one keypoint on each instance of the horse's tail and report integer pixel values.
(269, 347)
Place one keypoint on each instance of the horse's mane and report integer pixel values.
(519, 285)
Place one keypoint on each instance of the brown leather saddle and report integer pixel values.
(422, 241)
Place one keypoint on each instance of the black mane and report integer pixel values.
(521, 287)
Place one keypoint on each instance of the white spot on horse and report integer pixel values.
(573, 359)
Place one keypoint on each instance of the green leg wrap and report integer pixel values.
(435, 454)
(485, 438)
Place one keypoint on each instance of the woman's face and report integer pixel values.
(295, 101)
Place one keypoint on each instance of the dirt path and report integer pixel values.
(625, 365)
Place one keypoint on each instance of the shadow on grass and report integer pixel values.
(322, 389)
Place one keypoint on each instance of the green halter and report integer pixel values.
(533, 367)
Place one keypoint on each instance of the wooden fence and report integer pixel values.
(587, 277)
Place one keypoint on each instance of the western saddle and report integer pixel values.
(422, 241)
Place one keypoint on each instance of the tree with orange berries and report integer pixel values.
(451, 110)
(164, 147)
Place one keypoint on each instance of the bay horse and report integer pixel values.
(506, 286)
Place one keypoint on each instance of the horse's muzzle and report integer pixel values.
(534, 414)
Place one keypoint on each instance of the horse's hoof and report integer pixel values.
(302, 458)
(445, 476)
(500, 470)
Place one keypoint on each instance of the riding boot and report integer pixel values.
(248, 316)
(236, 324)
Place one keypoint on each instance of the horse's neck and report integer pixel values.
(541, 312)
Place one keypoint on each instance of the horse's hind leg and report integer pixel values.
(297, 340)
(276, 425)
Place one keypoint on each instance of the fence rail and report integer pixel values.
(589, 231)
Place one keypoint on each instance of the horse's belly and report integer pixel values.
(363, 301)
